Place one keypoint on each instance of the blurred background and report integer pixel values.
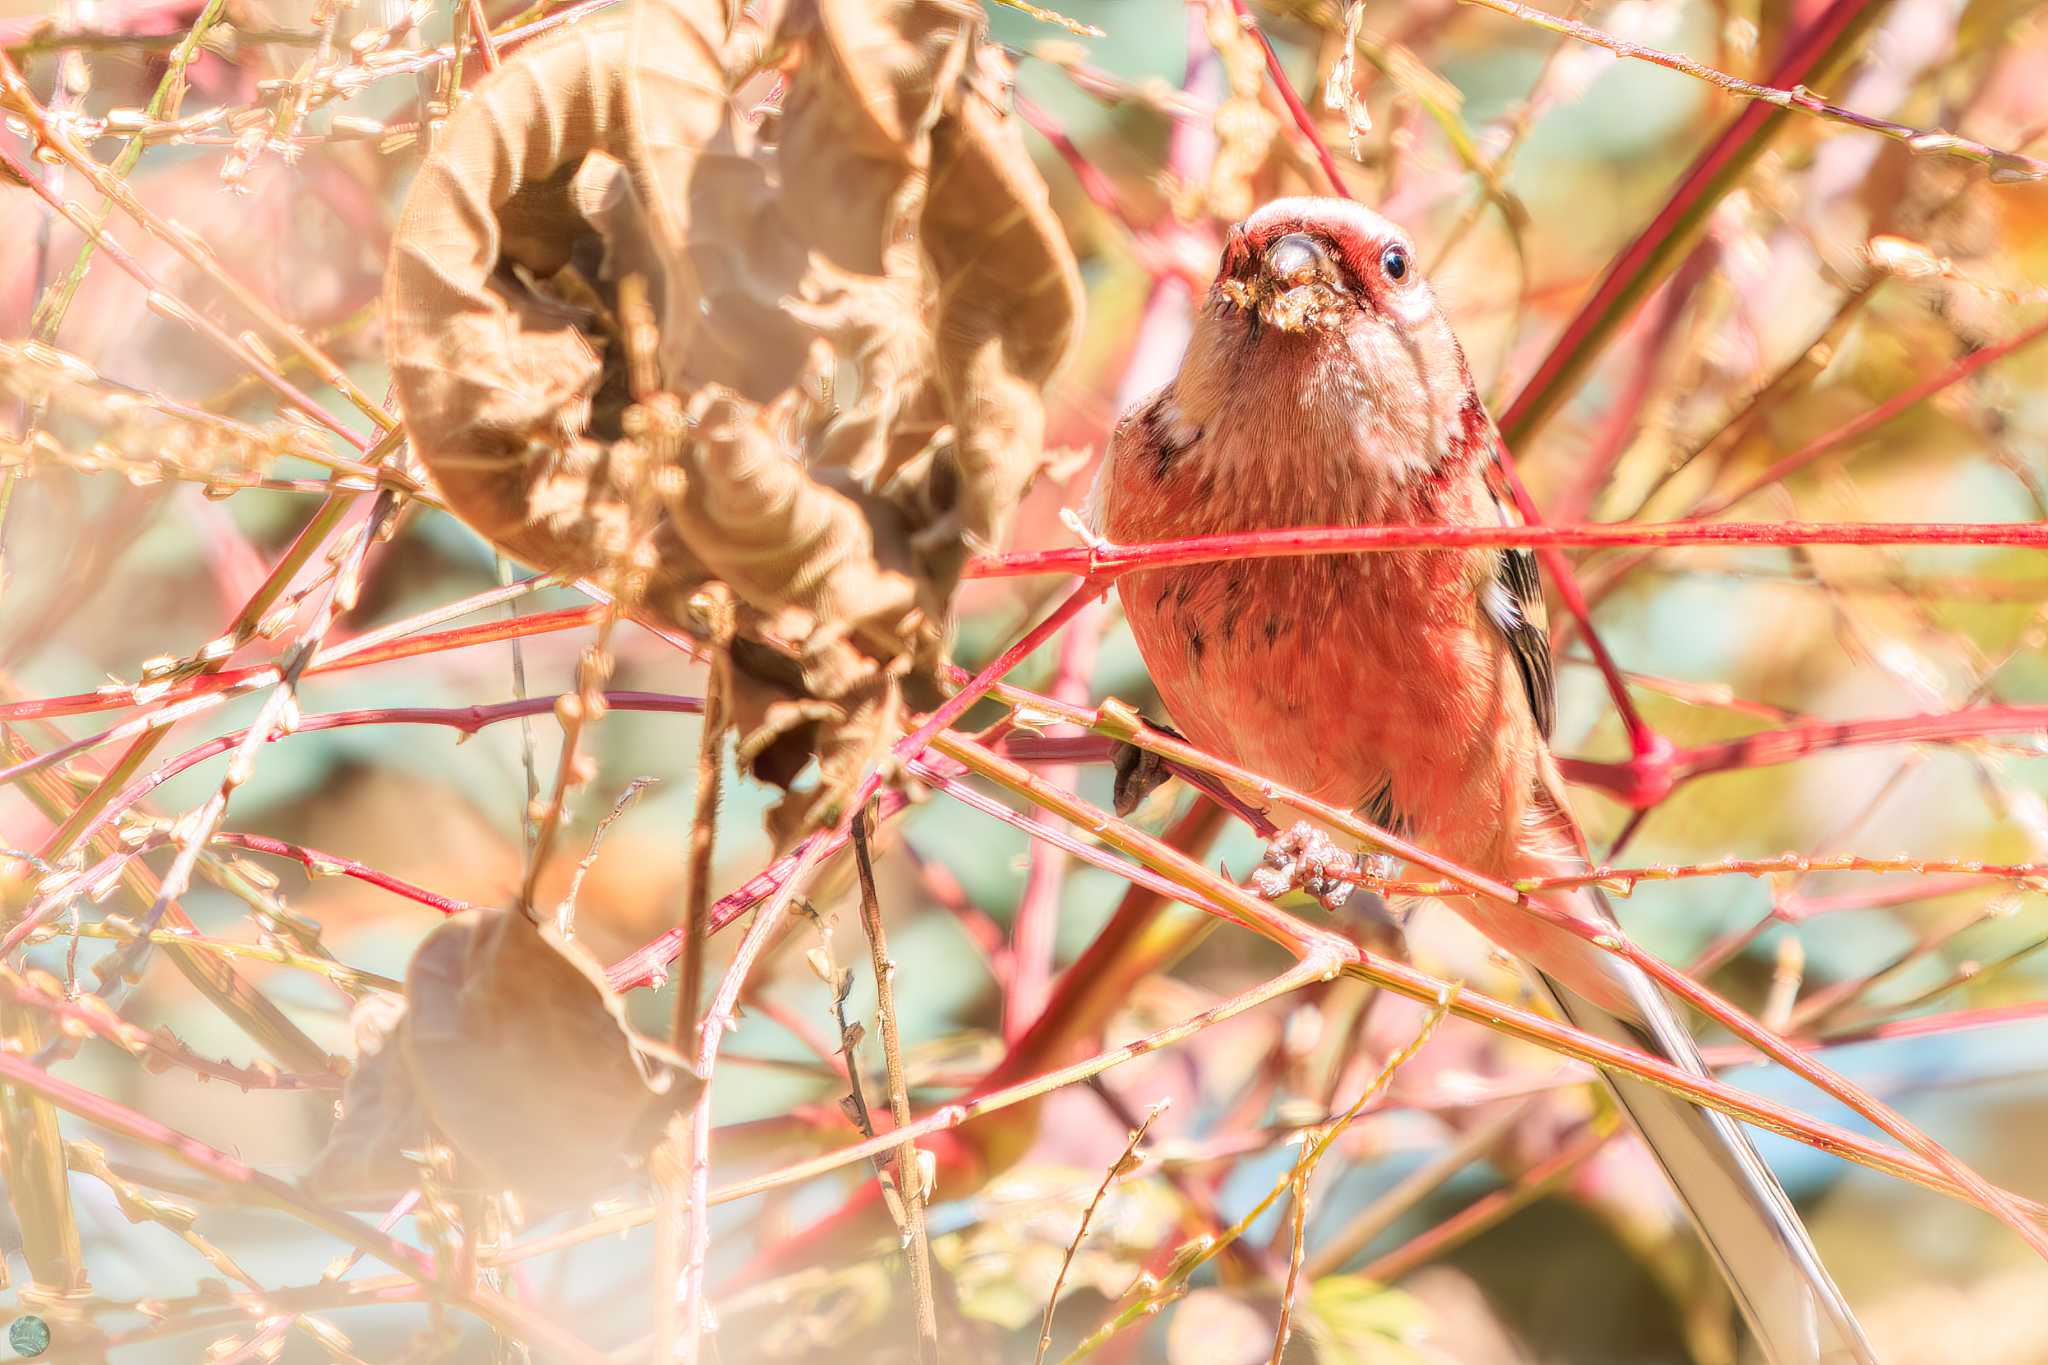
(1478, 1211)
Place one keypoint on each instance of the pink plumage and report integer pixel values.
(1323, 386)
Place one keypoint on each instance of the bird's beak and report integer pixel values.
(1298, 259)
(1297, 287)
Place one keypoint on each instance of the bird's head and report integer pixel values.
(1325, 299)
(1321, 265)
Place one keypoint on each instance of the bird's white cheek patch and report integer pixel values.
(1413, 306)
(1179, 430)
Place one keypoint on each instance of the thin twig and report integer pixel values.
(696, 926)
(565, 911)
(1314, 1144)
(909, 1178)
(2006, 168)
(1128, 1161)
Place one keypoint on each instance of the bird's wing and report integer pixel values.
(1514, 604)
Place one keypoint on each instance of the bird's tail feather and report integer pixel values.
(1792, 1306)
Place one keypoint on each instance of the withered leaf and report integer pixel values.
(512, 1051)
(381, 1119)
(857, 300)
(523, 1059)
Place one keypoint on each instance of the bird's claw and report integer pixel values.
(1307, 859)
(1139, 773)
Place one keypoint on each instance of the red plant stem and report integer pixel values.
(1797, 908)
(130, 1038)
(325, 863)
(1133, 945)
(1135, 873)
(1683, 987)
(957, 705)
(645, 965)
(1862, 425)
(334, 660)
(1647, 748)
(1468, 1004)
(718, 1021)
(509, 1316)
(1611, 440)
(468, 719)
(1097, 186)
(216, 1165)
(1302, 119)
(1726, 1056)
(942, 888)
(1771, 747)
(1808, 57)
(648, 964)
(1035, 925)
(1605, 937)
(1483, 1213)
(1936, 1025)
(1854, 429)
(480, 34)
(1105, 561)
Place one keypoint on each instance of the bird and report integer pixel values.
(1322, 385)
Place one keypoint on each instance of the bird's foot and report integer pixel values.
(1304, 858)
(1139, 772)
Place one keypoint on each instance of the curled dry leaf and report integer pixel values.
(513, 1051)
(857, 303)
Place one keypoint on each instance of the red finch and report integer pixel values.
(1322, 386)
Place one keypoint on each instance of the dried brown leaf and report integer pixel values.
(886, 226)
(513, 1051)
(523, 1060)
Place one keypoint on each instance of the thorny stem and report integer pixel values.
(718, 1020)
(909, 1179)
(2006, 167)
(1124, 1162)
(1815, 53)
(1314, 1144)
(1127, 725)
(1108, 561)
(696, 926)
(1303, 122)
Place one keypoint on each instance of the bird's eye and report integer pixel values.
(1394, 261)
